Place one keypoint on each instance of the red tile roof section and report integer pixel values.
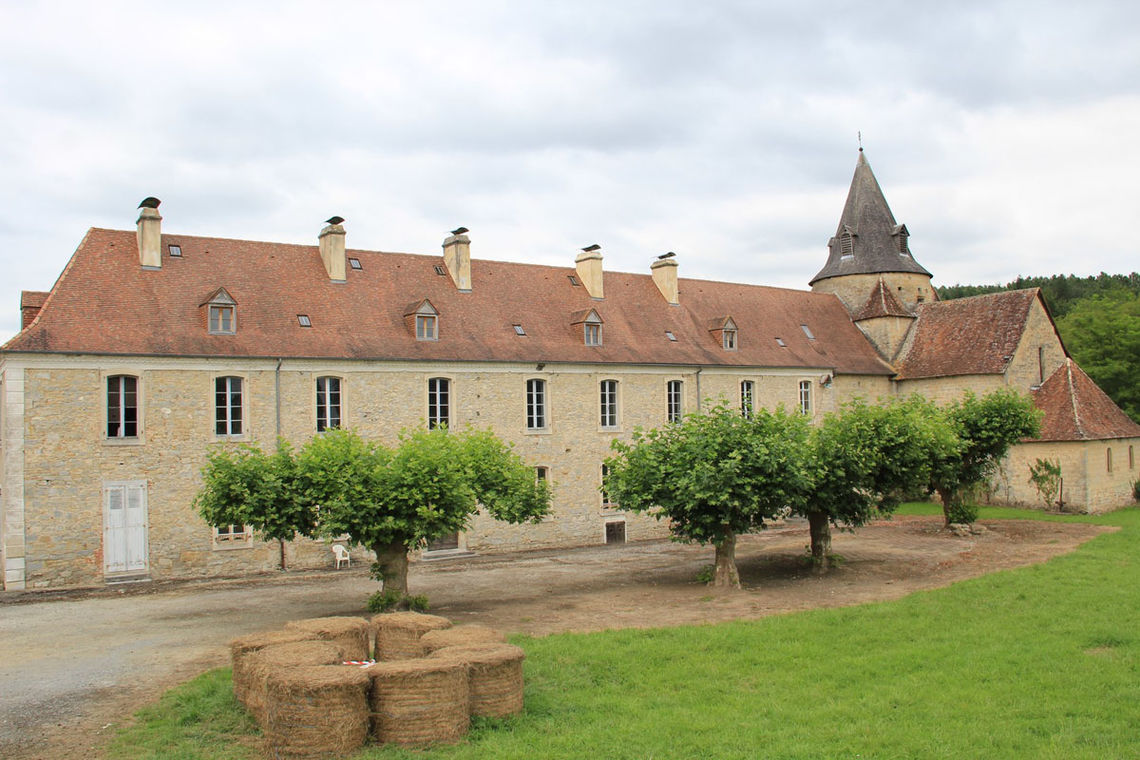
(966, 336)
(105, 303)
(1077, 410)
(882, 303)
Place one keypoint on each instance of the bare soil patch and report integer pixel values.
(126, 647)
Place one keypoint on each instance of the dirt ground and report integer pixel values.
(73, 668)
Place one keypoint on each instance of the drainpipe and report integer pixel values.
(277, 405)
(698, 390)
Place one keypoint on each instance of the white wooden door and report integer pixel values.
(124, 527)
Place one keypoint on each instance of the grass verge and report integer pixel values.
(1039, 662)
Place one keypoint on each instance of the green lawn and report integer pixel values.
(1040, 662)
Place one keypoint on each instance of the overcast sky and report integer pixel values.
(1004, 134)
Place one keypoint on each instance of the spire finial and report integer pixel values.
(859, 134)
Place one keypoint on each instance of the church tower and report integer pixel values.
(869, 246)
(870, 266)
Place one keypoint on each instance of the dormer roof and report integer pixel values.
(882, 303)
(873, 236)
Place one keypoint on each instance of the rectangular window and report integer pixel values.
(593, 334)
(807, 331)
(222, 319)
(535, 404)
(304, 321)
(609, 404)
(232, 537)
(328, 403)
(669, 334)
(542, 474)
(355, 263)
(673, 401)
(227, 406)
(176, 251)
(747, 397)
(607, 502)
(729, 338)
(122, 406)
(439, 402)
(519, 330)
(805, 397)
(1040, 365)
(425, 327)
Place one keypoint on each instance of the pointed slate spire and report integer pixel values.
(868, 240)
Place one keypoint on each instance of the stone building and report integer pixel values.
(152, 347)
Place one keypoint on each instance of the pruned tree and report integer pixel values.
(864, 457)
(713, 476)
(986, 428)
(390, 500)
(246, 486)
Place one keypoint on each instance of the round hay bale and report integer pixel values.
(242, 648)
(398, 633)
(283, 657)
(316, 711)
(350, 632)
(461, 636)
(419, 701)
(494, 675)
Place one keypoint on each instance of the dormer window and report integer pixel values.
(846, 244)
(724, 330)
(901, 236)
(591, 323)
(423, 319)
(221, 313)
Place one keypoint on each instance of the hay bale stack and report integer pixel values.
(352, 633)
(494, 677)
(316, 711)
(284, 657)
(398, 633)
(242, 648)
(419, 701)
(461, 636)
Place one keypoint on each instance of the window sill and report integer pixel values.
(135, 441)
(537, 431)
(232, 545)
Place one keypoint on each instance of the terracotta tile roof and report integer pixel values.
(32, 299)
(105, 303)
(882, 303)
(1077, 410)
(966, 336)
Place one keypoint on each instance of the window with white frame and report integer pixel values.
(328, 403)
(232, 537)
(228, 406)
(222, 320)
(805, 397)
(728, 338)
(426, 327)
(593, 334)
(747, 397)
(673, 398)
(439, 403)
(608, 402)
(122, 406)
(535, 404)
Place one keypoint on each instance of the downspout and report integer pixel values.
(277, 405)
(698, 390)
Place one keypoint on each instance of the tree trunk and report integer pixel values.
(393, 561)
(947, 498)
(820, 528)
(726, 574)
(281, 541)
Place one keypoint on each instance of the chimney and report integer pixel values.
(457, 257)
(150, 234)
(665, 276)
(331, 243)
(589, 266)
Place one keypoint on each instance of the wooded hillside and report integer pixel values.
(1099, 321)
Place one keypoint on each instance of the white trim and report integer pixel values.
(13, 545)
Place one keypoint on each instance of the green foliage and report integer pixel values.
(384, 600)
(866, 457)
(1061, 292)
(715, 474)
(986, 428)
(1103, 334)
(245, 486)
(1136, 490)
(1045, 475)
(706, 574)
(418, 603)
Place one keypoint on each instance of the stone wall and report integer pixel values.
(854, 289)
(67, 460)
(1089, 486)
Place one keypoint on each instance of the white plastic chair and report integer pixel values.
(341, 555)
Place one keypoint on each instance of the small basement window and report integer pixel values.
(519, 330)
(355, 264)
(304, 321)
(176, 251)
(615, 532)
